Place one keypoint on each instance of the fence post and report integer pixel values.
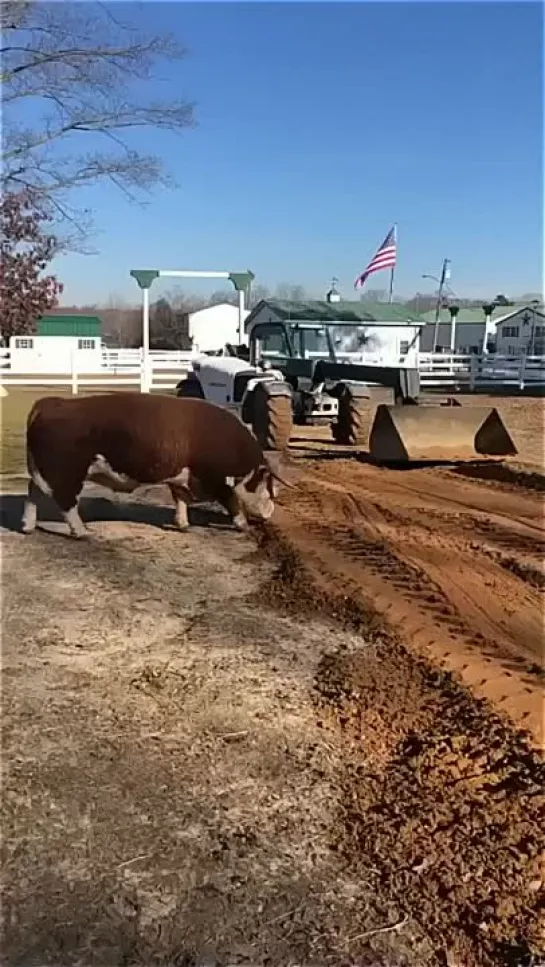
(472, 372)
(74, 373)
(522, 370)
(145, 373)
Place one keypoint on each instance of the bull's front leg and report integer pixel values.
(228, 497)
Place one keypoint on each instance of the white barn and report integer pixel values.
(384, 333)
(57, 342)
(211, 328)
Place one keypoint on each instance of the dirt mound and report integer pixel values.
(441, 796)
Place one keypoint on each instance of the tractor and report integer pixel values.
(294, 373)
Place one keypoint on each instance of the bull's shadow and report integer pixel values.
(96, 507)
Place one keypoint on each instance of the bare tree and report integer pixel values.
(293, 293)
(257, 294)
(373, 295)
(79, 67)
(169, 328)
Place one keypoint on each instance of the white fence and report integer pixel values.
(481, 372)
(120, 368)
(163, 370)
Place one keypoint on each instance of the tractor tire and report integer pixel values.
(271, 420)
(353, 422)
(189, 389)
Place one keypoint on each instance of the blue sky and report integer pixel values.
(321, 124)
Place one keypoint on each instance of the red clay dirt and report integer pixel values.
(439, 711)
(454, 566)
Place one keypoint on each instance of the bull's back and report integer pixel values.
(170, 434)
(147, 437)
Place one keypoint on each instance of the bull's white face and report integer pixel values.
(257, 494)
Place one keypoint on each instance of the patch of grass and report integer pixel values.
(14, 410)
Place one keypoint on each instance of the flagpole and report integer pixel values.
(391, 292)
(392, 272)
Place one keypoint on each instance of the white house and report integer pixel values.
(521, 329)
(383, 333)
(211, 328)
(57, 342)
(508, 330)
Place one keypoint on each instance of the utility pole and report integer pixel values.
(445, 275)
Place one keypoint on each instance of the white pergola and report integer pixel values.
(145, 277)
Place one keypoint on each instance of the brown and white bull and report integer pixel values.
(126, 440)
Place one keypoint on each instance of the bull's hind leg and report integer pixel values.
(36, 485)
(30, 510)
(181, 498)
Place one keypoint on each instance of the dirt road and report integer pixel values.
(454, 564)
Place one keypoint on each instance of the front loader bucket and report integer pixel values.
(415, 433)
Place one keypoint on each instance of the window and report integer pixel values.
(22, 343)
(510, 332)
(404, 347)
(86, 343)
(273, 341)
(310, 341)
(511, 351)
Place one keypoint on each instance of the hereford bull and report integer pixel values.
(126, 440)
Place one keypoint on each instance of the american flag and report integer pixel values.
(385, 258)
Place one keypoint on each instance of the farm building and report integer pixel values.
(57, 340)
(521, 329)
(211, 328)
(509, 330)
(387, 332)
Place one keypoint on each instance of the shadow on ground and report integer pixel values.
(98, 508)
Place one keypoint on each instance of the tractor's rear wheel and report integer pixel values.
(353, 421)
(272, 420)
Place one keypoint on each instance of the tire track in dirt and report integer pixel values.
(427, 551)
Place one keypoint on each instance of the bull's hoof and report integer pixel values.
(27, 529)
(78, 535)
(241, 524)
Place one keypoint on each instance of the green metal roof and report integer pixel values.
(69, 326)
(472, 315)
(344, 311)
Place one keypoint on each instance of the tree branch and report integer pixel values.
(82, 63)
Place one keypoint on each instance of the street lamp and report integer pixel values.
(445, 275)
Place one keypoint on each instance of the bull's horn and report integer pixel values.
(272, 466)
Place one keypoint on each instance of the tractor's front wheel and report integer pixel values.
(353, 421)
(271, 420)
(189, 388)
